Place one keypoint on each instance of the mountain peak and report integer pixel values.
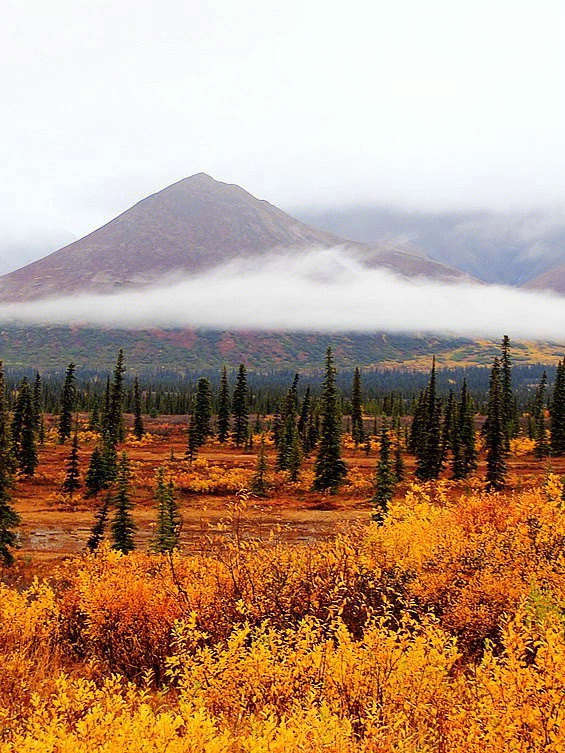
(187, 228)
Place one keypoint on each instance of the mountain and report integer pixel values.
(158, 351)
(553, 280)
(17, 248)
(510, 249)
(189, 227)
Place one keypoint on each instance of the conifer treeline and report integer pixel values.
(441, 436)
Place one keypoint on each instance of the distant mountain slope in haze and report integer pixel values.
(189, 227)
(553, 280)
(510, 249)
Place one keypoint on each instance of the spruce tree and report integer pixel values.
(294, 461)
(71, 484)
(330, 469)
(109, 458)
(192, 444)
(23, 430)
(287, 432)
(105, 418)
(557, 411)
(224, 408)
(68, 399)
(509, 414)
(203, 411)
(138, 428)
(259, 481)
(123, 527)
(495, 437)
(466, 434)
(447, 426)
(428, 452)
(541, 449)
(37, 409)
(357, 431)
(168, 518)
(385, 480)
(303, 420)
(116, 427)
(399, 469)
(95, 479)
(100, 522)
(94, 420)
(277, 426)
(239, 407)
(415, 438)
(9, 519)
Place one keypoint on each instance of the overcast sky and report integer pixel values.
(423, 103)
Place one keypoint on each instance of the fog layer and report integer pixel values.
(317, 291)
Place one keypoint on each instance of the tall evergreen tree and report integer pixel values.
(168, 518)
(95, 478)
(100, 522)
(239, 407)
(38, 409)
(495, 437)
(541, 449)
(303, 418)
(23, 430)
(277, 426)
(557, 411)
(116, 427)
(203, 411)
(224, 408)
(105, 418)
(71, 484)
(259, 481)
(68, 399)
(509, 414)
(330, 469)
(357, 431)
(192, 444)
(428, 453)
(138, 428)
(123, 526)
(287, 432)
(109, 458)
(399, 469)
(447, 426)
(385, 480)
(466, 436)
(417, 428)
(94, 420)
(9, 519)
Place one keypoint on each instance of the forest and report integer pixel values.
(370, 560)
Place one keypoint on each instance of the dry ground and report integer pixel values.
(50, 530)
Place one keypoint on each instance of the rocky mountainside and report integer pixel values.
(192, 226)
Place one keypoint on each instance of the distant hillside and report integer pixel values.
(553, 280)
(50, 348)
(191, 226)
(494, 247)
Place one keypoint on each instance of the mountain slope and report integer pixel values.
(553, 280)
(507, 248)
(191, 226)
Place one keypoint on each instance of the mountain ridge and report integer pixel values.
(191, 226)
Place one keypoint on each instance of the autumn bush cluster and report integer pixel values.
(440, 630)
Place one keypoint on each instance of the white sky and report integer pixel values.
(424, 103)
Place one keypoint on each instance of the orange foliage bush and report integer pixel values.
(440, 630)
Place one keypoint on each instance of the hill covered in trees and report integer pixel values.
(157, 350)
